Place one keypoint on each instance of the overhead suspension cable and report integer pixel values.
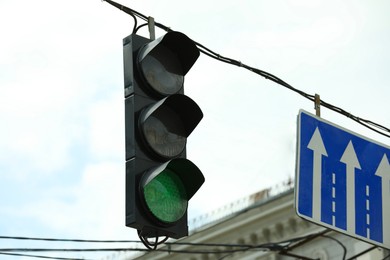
(214, 248)
(41, 256)
(378, 128)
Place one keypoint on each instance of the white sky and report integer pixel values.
(62, 165)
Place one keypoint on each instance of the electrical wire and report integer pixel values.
(41, 256)
(362, 253)
(151, 245)
(127, 10)
(338, 242)
(378, 128)
(386, 257)
(139, 27)
(215, 248)
(124, 249)
(68, 240)
(268, 245)
(235, 247)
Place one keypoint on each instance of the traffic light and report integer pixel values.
(158, 119)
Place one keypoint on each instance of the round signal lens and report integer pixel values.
(165, 133)
(163, 71)
(165, 196)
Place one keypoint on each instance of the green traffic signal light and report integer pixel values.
(166, 190)
(166, 198)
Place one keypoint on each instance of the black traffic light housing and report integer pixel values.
(158, 120)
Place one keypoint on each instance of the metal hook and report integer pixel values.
(151, 27)
(317, 105)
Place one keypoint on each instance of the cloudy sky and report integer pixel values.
(62, 158)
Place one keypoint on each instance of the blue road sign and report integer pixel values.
(342, 180)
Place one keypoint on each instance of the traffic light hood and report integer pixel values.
(188, 111)
(190, 175)
(178, 43)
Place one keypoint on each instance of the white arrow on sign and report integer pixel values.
(383, 171)
(350, 159)
(317, 146)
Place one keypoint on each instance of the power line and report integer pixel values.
(378, 128)
(215, 248)
(362, 253)
(266, 245)
(338, 242)
(68, 240)
(41, 256)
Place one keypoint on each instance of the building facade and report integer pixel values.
(268, 228)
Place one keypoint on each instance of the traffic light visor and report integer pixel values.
(166, 124)
(164, 62)
(167, 189)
